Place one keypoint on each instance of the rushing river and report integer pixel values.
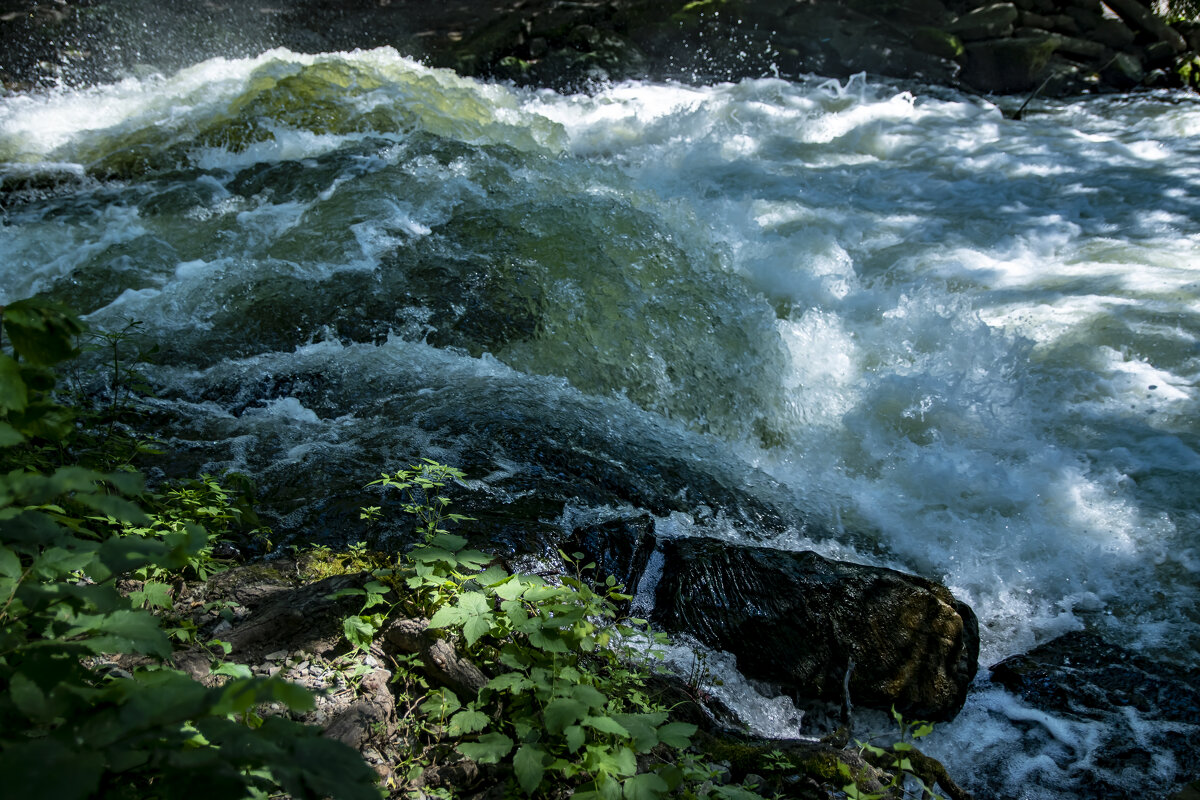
(923, 334)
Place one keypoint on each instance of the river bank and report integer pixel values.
(1054, 47)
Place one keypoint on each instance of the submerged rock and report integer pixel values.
(1149, 709)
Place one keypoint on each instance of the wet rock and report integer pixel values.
(1124, 71)
(1008, 65)
(797, 620)
(1081, 673)
(1158, 54)
(619, 547)
(1085, 19)
(1112, 33)
(1148, 707)
(1190, 30)
(1073, 46)
(1032, 20)
(985, 22)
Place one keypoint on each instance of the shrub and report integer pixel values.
(73, 724)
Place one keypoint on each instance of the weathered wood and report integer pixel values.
(439, 659)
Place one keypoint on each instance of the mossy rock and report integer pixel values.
(792, 768)
(938, 42)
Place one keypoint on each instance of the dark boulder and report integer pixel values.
(797, 619)
(1008, 65)
(1124, 71)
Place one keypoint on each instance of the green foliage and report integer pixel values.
(201, 501)
(1183, 9)
(897, 760)
(566, 704)
(72, 726)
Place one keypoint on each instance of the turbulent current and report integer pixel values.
(883, 322)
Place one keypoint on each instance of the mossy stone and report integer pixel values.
(938, 42)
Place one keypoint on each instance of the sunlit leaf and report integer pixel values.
(467, 721)
(490, 748)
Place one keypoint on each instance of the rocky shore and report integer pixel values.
(1055, 47)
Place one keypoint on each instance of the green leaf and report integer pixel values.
(510, 590)
(467, 721)
(514, 657)
(360, 631)
(550, 642)
(9, 436)
(646, 786)
(124, 632)
(446, 616)
(606, 725)
(511, 682)
(575, 736)
(154, 594)
(10, 565)
(473, 559)
(492, 575)
(529, 766)
(117, 507)
(588, 695)
(233, 670)
(41, 331)
(440, 703)
(618, 761)
(490, 748)
(46, 769)
(563, 712)
(477, 615)
(677, 734)
(476, 627)
(449, 541)
(13, 394)
(29, 698)
(641, 729)
(432, 555)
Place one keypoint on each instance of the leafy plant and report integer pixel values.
(563, 702)
(71, 724)
(901, 760)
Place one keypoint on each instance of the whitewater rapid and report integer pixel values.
(965, 345)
